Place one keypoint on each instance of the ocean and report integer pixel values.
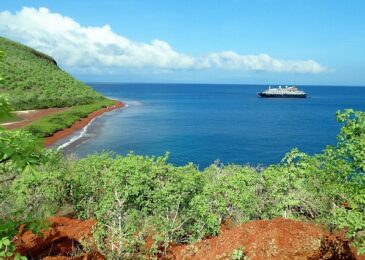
(203, 123)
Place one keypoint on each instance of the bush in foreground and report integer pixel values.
(133, 197)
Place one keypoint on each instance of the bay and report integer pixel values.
(201, 123)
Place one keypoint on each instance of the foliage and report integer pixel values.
(48, 125)
(351, 149)
(19, 151)
(2, 54)
(19, 148)
(4, 107)
(239, 254)
(33, 80)
(303, 186)
(134, 192)
(351, 141)
(137, 197)
(4, 104)
(229, 192)
(7, 249)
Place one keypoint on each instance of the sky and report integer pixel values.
(305, 42)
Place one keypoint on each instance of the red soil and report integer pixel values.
(32, 115)
(64, 238)
(263, 239)
(80, 124)
(29, 116)
(276, 239)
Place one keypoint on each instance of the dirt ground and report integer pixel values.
(262, 239)
(64, 239)
(28, 116)
(80, 124)
(275, 239)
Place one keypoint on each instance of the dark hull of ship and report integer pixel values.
(265, 95)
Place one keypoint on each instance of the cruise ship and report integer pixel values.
(283, 92)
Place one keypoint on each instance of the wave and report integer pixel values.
(126, 101)
(83, 132)
(133, 102)
(77, 137)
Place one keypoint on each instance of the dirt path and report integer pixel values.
(28, 116)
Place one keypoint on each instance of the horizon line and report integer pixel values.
(200, 83)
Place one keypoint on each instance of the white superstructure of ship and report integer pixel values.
(287, 91)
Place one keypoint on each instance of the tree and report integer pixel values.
(351, 148)
(18, 150)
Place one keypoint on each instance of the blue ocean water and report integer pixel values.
(202, 123)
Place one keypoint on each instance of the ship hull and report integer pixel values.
(265, 95)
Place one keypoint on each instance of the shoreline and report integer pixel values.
(78, 125)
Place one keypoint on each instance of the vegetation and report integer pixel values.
(238, 254)
(19, 152)
(48, 125)
(32, 80)
(10, 118)
(135, 197)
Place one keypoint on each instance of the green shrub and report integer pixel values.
(48, 125)
(134, 197)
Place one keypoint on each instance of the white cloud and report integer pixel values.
(93, 49)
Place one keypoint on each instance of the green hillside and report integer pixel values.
(33, 80)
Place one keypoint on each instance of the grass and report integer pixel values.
(8, 119)
(48, 125)
(33, 80)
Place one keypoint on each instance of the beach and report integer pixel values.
(81, 124)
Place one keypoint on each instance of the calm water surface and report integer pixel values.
(203, 123)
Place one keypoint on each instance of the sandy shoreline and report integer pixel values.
(80, 124)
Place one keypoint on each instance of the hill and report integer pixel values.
(33, 80)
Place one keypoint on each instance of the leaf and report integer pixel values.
(6, 242)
